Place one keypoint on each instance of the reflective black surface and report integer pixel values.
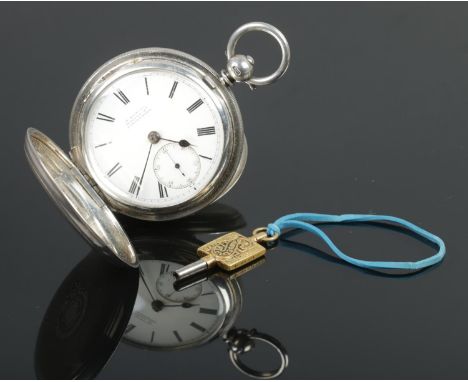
(371, 117)
(85, 320)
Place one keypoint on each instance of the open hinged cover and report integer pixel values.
(76, 198)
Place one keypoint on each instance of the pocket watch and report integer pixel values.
(158, 132)
(155, 134)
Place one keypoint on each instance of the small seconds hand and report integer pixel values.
(177, 165)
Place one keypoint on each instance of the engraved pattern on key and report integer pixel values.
(231, 247)
(231, 251)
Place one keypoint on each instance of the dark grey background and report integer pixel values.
(371, 117)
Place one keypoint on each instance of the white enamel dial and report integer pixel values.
(163, 317)
(154, 138)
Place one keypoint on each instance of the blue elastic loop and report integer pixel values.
(303, 221)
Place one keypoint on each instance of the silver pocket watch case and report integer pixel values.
(149, 60)
(72, 183)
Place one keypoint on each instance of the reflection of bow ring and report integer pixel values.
(241, 341)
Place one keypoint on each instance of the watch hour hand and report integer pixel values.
(159, 305)
(182, 142)
(169, 140)
(183, 305)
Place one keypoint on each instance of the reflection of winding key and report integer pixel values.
(229, 252)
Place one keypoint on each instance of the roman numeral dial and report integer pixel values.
(132, 118)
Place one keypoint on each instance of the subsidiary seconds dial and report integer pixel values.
(177, 165)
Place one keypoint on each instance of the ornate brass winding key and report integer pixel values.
(228, 252)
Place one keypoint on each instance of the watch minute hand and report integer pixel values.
(146, 285)
(144, 169)
(182, 142)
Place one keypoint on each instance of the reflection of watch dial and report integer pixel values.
(165, 318)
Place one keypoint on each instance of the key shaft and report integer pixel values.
(229, 252)
(191, 269)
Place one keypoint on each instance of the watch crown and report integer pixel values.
(239, 68)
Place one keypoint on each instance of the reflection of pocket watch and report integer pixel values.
(165, 318)
(99, 304)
